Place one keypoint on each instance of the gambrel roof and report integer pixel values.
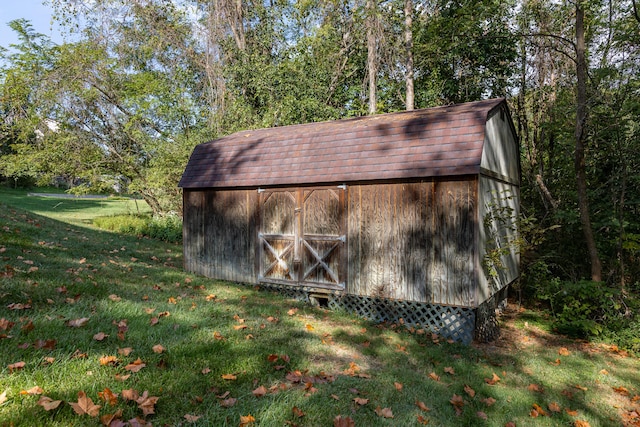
(432, 142)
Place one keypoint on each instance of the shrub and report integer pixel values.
(167, 228)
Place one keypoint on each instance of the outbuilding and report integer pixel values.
(408, 215)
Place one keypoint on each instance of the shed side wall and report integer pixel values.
(497, 215)
(219, 238)
(413, 241)
(501, 153)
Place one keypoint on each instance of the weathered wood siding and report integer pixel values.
(498, 252)
(413, 241)
(500, 153)
(219, 235)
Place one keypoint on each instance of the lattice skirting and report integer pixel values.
(450, 322)
(461, 324)
(487, 327)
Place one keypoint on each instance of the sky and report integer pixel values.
(32, 10)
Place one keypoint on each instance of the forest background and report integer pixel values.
(141, 82)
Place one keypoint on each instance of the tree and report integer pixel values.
(580, 137)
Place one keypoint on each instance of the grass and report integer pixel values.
(54, 269)
(73, 210)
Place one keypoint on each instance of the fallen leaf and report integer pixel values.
(3, 397)
(192, 418)
(398, 386)
(147, 403)
(217, 335)
(158, 348)
(422, 406)
(85, 405)
(510, 424)
(260, 391)
(335, 397)
(112, 420)
(471, 392)
(384, 412)
(77, 323)
(571, 412)
(115, 298)
(449, 370)
(228, 403)
(458, 403)
(239, 327)
(125, 351)
(245, 420)
(292, 311)
(564, 351)
(554, 407)
(100, 336)
(108, 360)
(309, 327)
(135, 366)
(482, 415)
(6, 325)
(581, 423)
(16, 366)
(621, 390)
(33, 391)
(493, 380)
(48, 404)
(536, 388)
(229, 377)
(360, 400)
(297, 412)
(28, 327)
(108, 396)
(489, 401)
(341, 421)
(537, 409)
(434, 376)
(206, 371)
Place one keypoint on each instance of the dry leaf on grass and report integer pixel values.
(48, 404)
(33, 391)
(260, 391)
(341, 421)
(85, 405)
(245, 420)
(471, 392)
(493, 380)
(384, 412)
(422, 406)
(135, 366)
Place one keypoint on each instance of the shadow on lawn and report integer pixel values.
(58, 272)
(209, 329)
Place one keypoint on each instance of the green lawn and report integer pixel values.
(70, 209)
(114, 317)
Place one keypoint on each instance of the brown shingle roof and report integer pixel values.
(413, 144)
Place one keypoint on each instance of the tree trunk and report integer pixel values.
(408, 45)
(580, 138)
(372, 55)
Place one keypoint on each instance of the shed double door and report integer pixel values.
(302, 237)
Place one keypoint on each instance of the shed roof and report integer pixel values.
(414, 144)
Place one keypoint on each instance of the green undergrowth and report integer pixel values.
(85, 310)
(167, 228)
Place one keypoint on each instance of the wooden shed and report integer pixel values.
(406, 215)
